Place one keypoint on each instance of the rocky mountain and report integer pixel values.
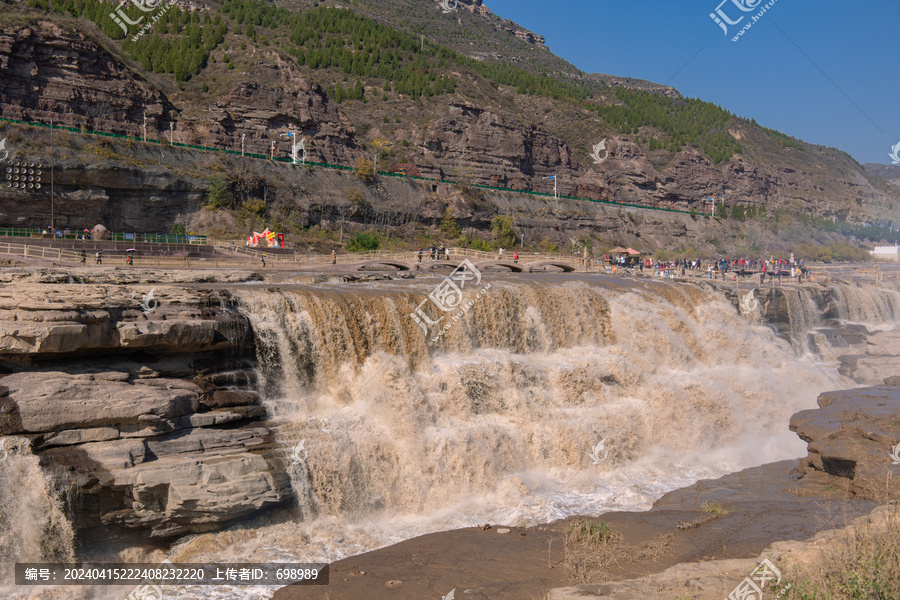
(890, 173)
(485, 104)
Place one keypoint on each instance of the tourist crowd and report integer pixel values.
(720, 268)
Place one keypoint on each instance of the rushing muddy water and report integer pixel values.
(546, 398)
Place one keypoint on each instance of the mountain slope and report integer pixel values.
(242, 73)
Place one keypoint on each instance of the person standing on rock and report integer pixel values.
(82, 256)
(333, 257)
(99, 257)
(264, 261)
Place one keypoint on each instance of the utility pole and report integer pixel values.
(243, 135)
(52, 158)
(272, 151)
(553, 177)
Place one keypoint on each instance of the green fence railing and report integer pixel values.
(153, 238)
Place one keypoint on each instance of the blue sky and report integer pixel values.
(822, 71)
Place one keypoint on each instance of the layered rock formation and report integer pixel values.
(139, 399)
(51, 71)
(510, 156)
(851, 437)
(280, 99)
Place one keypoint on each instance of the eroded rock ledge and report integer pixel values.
(143, 409)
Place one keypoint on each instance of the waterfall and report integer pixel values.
(867, 306)
(33, 524)
(510, 404)
(545, 398)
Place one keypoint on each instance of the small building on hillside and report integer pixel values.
(886, 253)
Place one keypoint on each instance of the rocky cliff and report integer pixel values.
(139, 399)
(66, 70)
(58, 72)
(850, 439)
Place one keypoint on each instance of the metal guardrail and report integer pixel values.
(152, 238)
(409, 256)
(862, 277)
(71, 256)
(27, 251)
(255, 253)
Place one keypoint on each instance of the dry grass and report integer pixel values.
(862, 566)
(593, 550)
(715, 508)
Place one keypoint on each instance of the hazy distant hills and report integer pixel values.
(890, 173)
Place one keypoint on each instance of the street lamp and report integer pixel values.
(553, 177)
(295, 147)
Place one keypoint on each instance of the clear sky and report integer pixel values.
(824, 71)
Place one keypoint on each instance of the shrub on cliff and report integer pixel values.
(218, 194)
(449, 226)
(363, 242)
(548, 246)
(503, 232)
(364, 170)
(836, 251)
